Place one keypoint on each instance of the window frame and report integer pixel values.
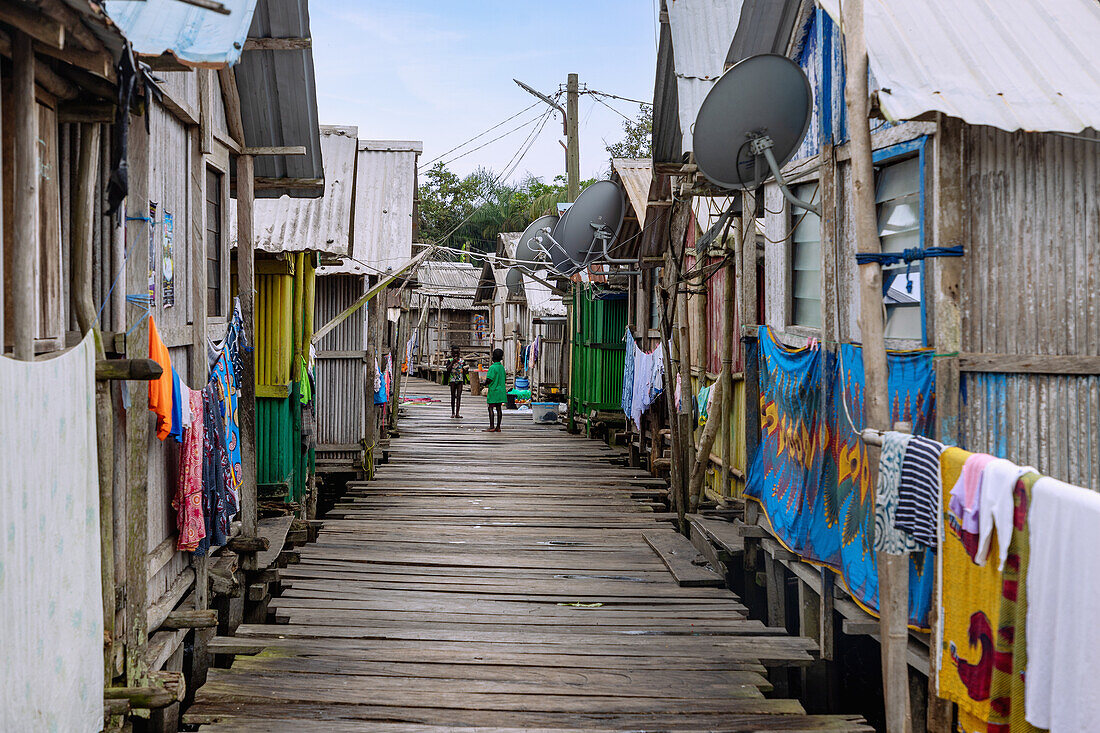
(213, 172)
(792, 214)
(896, 154)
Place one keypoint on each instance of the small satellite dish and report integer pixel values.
(752, 121)
(588, 229)
(514, 281)
(528, 251)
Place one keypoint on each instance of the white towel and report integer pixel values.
(995, 510)
(1062, 687)
(51, 609)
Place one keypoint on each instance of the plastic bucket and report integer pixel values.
(544, 412)
(523, 383)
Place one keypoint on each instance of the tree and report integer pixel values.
(637, 141)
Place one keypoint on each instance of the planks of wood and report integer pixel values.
(679, 556)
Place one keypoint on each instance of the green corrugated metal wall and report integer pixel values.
(599, 322)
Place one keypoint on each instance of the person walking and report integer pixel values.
(456, 370)
(497, 382)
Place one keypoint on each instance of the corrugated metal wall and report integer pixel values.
(1031, 285)
(274, 329)
(598, 350)
(341, 381)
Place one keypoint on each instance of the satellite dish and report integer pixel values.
(514, 281)
(528, 251)
(588, 228)
(752, 120)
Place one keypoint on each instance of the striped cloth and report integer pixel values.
(888, 537)
(919, 491)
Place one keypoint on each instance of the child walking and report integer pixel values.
(456, 376)
(496, 381)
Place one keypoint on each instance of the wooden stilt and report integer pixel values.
(246, 284)
(21, 283)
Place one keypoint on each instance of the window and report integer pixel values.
(214, 246)
(898, 208)
(805, 260)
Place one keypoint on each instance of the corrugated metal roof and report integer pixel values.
(455, 281)
(192, 35)
(279, 99)
(1010, 64)
(384, 192)
(702, 32)
(321, 224)
(667, 140)
(636, 175)
(764, 27)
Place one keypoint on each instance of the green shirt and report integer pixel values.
(497, 382)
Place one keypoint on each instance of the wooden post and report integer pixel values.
(893, 569)
(749, 321)
(398, 378)
(706, 440)
(370, 434)
(727, 350)
(199, 369)
(83, 303)
(23, 288)
(138, 418)
(246, 289)
(573, 147)
(948, 230)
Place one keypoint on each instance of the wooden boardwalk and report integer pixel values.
(498, 582)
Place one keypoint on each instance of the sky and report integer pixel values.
(441, 71)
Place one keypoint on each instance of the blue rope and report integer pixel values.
(141, 300)
(122, 268)
(908, 256)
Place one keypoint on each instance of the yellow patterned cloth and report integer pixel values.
(969, 604)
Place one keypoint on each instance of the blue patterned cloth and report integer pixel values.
(810, 473)
(888, 536)
(628, 373)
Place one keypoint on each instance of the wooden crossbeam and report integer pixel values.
(278, 44)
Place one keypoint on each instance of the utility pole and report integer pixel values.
(572, 136)
(572, 139)
(893, 570)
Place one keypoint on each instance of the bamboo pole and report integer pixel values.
(892, 569)
(21, 282)
(706, 441)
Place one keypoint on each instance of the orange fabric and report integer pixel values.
(160, 390)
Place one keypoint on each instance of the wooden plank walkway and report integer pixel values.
(499, 582)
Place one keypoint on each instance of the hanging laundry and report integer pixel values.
(889, 537)
(966, 495)
(223, 375)
(379, 385)
(628, 372)
(52, 636)
(188, 499)
(919, 491)
(1062, 685)
(702, 403)
(1006, 693)
(649, 375)
(970, 604)
(305, 389)
(219, 500)
(176, 430)
(996, 507)
(160, 389)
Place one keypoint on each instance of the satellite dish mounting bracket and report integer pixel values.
(761, 145)
(541, 244)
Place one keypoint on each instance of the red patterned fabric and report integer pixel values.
(188, 499)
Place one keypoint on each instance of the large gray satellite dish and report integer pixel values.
(514, 281)
(752, 121)
(527, 249)
(588, 229)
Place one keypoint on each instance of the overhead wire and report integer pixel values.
(477, 136)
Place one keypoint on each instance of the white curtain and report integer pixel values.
(51, 613)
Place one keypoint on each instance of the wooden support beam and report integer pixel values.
(35, 25)
(275, 150)
(98, 63)
(21, 281)
(159, 609)
(278, 44)
(142, 370)
(265, 183)
(232, 100)
(246, 284)
(191, 619)
(86, 112)
(247, 545)
(148, 698)
(211, 5)
(1027, 363)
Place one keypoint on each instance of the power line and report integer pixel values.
(605, 104)
(616, 96)
(532, 121)
(475, 137)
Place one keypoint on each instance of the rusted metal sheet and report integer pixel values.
(1051, 422)
(321, 224)
(636, 175)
